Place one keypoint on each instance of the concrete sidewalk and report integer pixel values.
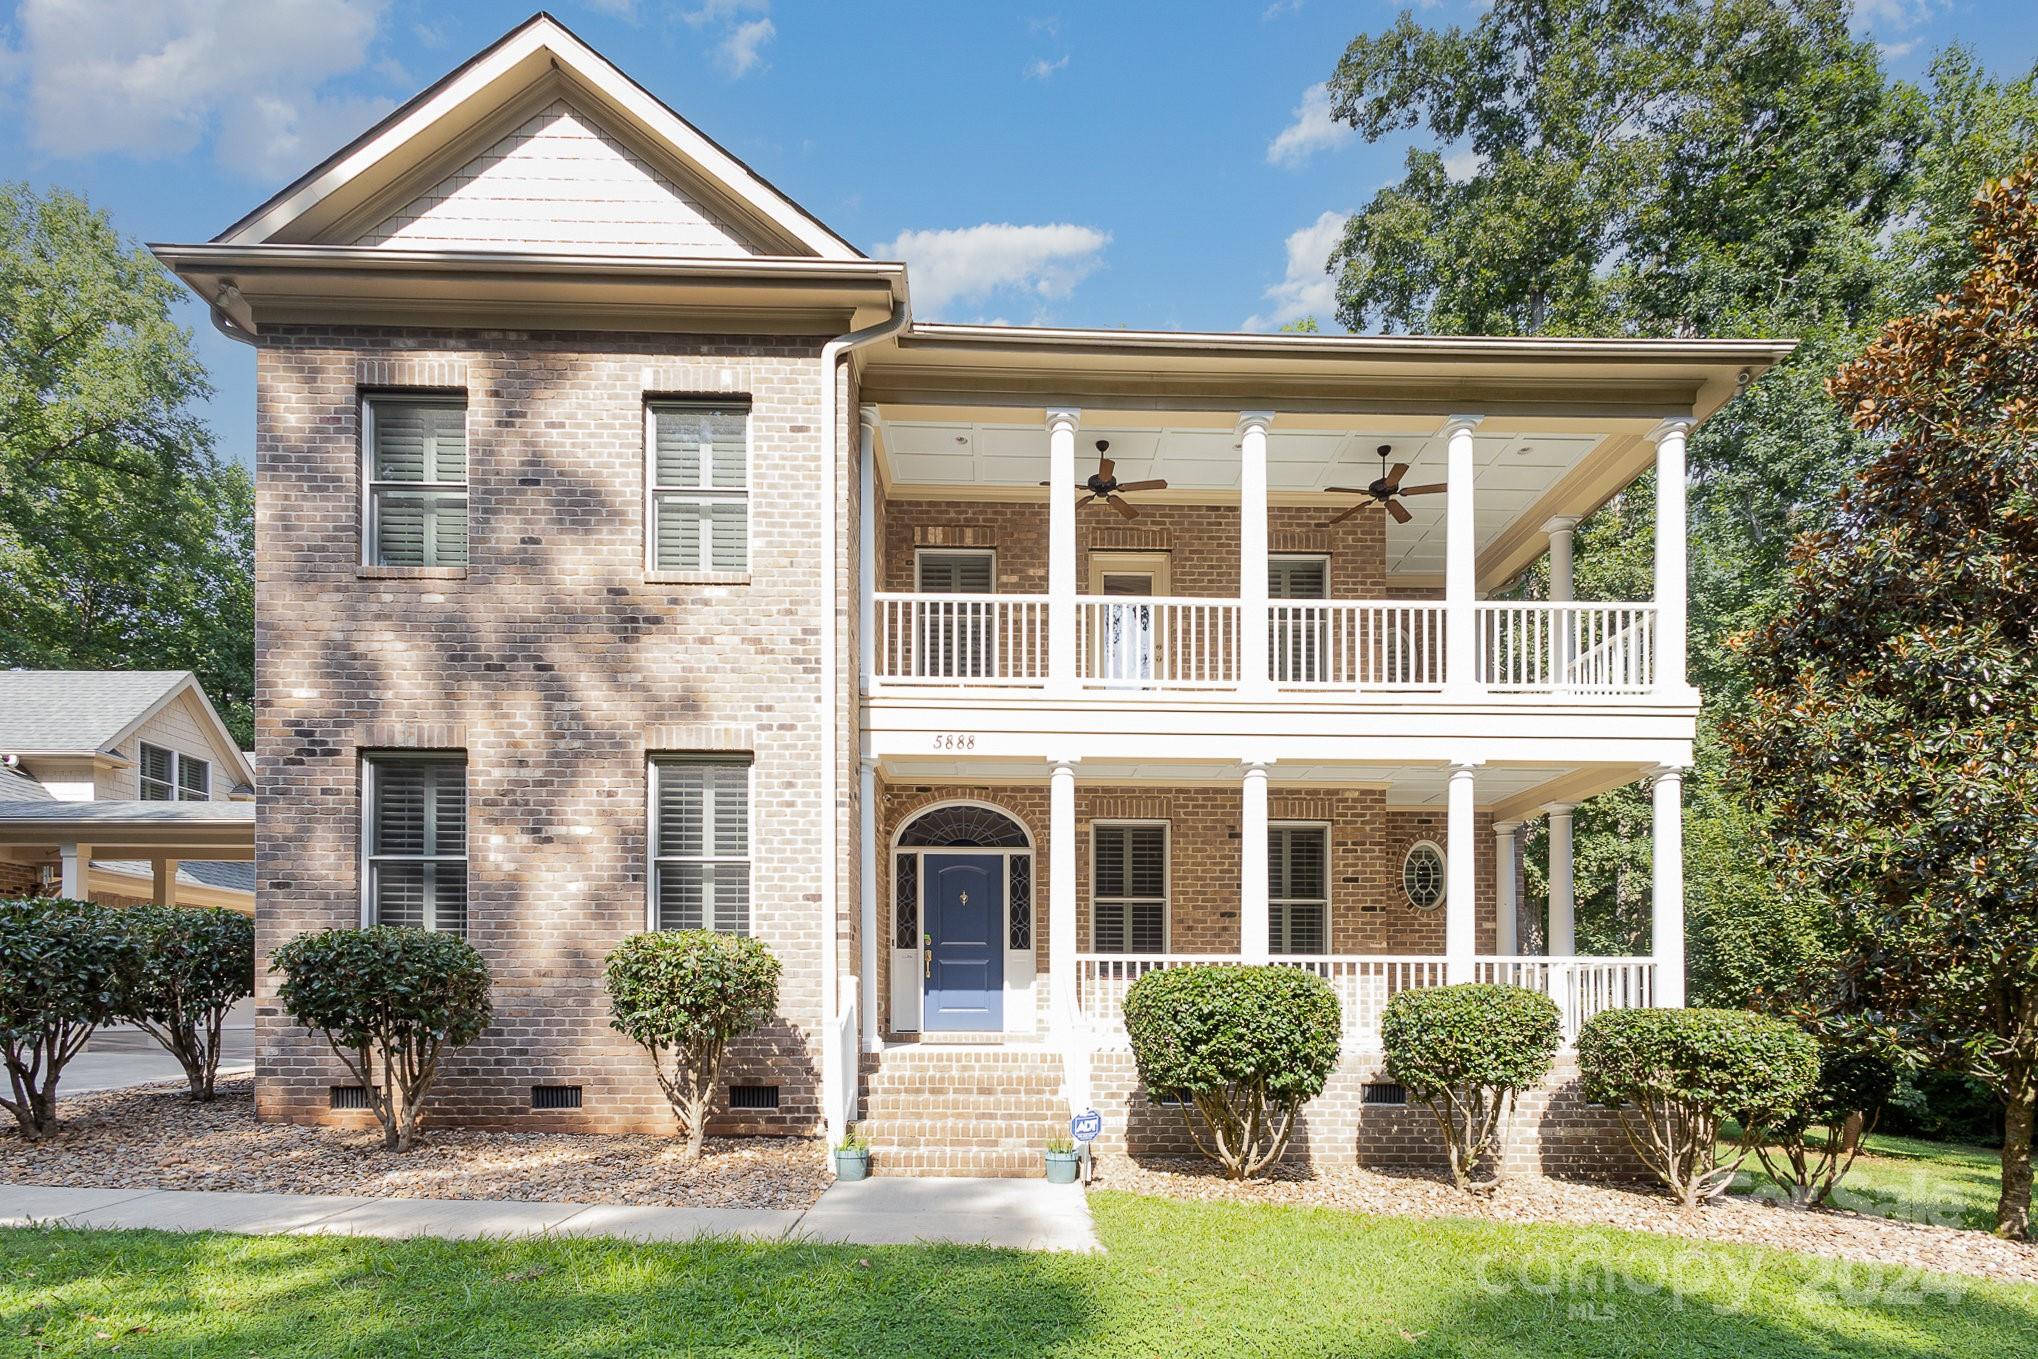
(1022, 1214)
(118, 1057)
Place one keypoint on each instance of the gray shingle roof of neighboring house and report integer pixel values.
(225, 874)
(16, 786)
(81, 710)
(130, 813)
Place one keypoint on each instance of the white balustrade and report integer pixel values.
(1567, 648)
(1581, 986)
(1354, 644)
(952, 639)
(1128, 642)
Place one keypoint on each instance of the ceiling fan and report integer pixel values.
(1384, 490)
(1104, 485)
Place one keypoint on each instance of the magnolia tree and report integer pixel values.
(1892, 740)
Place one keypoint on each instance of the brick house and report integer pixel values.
(628, 557)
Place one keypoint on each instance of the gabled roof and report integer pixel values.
(90, 712)
(538, 79)
(16, 786)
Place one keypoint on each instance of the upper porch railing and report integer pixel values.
(1322, 647)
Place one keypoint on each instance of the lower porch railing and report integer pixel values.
(1364, 983)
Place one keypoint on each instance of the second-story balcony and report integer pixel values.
(1325, 648)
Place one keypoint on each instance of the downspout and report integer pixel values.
(221, 309)
(832, 1059)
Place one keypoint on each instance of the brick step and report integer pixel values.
(931, 1091)
(915, 1061)
(939, 1161)
(1032, 1108)
(907, 1132)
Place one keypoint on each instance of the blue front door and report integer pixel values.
(964, 961)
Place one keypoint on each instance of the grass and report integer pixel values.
(1180, 1278)
(1942, 1183)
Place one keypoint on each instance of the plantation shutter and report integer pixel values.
(194, 779)
(956, 573)
(703, 845)
(156, 770)
(418, 843)
(1128, 889)
(1298, 874)
(1298, 578)
(418, 475)
(700, 475)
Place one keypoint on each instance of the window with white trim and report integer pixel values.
(953, 571)
(700, 843)
(1128, 887)
(416, 831)
(1422, 875)
(415, 459)
(171, 776)
(1298, 888)
(700, 487)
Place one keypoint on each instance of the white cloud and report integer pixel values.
(1463, 163)
(1040, 68)
(1307, 289)
(157, 79)
(1312, 131)
(741, 49)
(970, 264)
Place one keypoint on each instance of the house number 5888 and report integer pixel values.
(955, 741)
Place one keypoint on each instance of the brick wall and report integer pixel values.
(557, 665)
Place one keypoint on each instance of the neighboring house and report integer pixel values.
(628, 558)
(122, 786)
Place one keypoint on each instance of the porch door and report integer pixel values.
(964, 950)
(1128, 635)
(1297, 643)
(955, 637)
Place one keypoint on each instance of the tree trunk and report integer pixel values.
(2013, 1209)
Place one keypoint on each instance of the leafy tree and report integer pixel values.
(1891, 738)
(1814, 1147)
(186, 967)
(124, 542)
(61, 963)
(1466, 1052)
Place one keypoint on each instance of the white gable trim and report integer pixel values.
(540, 47)
(244, 770)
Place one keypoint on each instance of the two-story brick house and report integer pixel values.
(629, 558)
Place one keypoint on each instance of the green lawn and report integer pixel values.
(1942, 1183)
(1180, 1278)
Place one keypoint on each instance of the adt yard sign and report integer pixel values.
(1085, 1126)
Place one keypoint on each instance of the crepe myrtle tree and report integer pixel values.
(1466, 1052)
(61, 964)
(186, 968)
(391, 1001)
(1243, 1049)
(1676, 1075)
(685, 995)
(1890, 737)
(1811, 1150)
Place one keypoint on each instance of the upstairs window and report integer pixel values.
(700, 843)
(417, 841)
(1128, 888)
(1298, 888)
(700, 487)
(416, 456)
(169, 776)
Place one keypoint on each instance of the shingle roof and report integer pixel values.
(16, 786)
(81, 710)
(130, 813)
(226, 874)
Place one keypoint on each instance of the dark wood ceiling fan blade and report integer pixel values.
(1122, 507)
(1399, 511)
(1334, 490)
(1396, 473)
(1155, 485)
(1431, 489)
(1104, 469)
(1340, 518)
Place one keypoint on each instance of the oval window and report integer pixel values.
(1422, 875)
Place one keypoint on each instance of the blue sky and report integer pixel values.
(1056, 164)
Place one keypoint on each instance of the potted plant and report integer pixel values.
(1062, 1160)
(852, 1158)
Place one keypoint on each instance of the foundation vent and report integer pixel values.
(349, 1097)
(555, 1097)
(753, 1097)
(1383, 1092)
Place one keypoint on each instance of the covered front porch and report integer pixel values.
(1013, 900)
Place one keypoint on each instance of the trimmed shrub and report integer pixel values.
(1243, 1048)
(1675, 1075)
(1844, 1107)
(187, 967)
(1466, 1051)
(684, 995)
(61, 962)
(391, 1001)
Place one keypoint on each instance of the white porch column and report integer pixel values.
(1563, 940)
(1461, 880)
(1461, 583)
(1061, 901)
(867, 915)
(1667, 894)
(1562, 530)
(1252, 548)
(866, 557)
(166, 881)
(1061, 549)
(1506, 904)
(77, 870)
(1670, 554)
(1254, 945)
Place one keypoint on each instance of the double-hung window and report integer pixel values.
(957, 638)
(417, 841)
(700, 843)
(1298, 888)
(700, 487)
(415, 451)
(1128, 888)
(170, 776)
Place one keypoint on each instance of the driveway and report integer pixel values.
(121, 1056)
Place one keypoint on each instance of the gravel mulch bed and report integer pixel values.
(1534, 1199)
(156, 1137)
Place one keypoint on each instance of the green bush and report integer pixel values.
(61, 963)
(1465, 1051)
(187, 967)
(1675, 1075)
(1816, 1145)
(1243, 1048)
(684, 995)
(391, 1001)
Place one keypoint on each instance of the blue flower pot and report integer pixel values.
(852, 1165)
(1063, 1166)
